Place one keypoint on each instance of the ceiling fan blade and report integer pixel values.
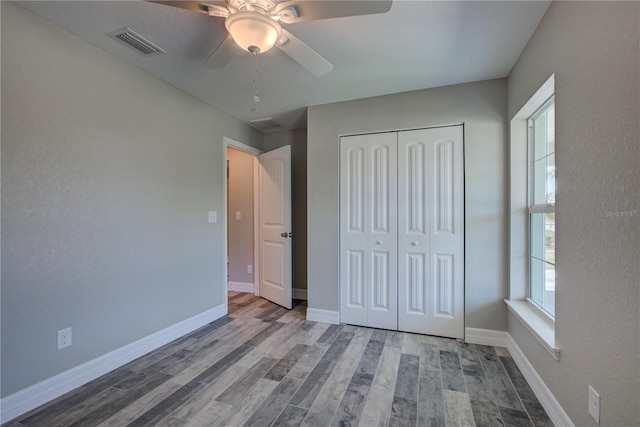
(304, 55)
(195, 6)
(223, 54)
(312, 10)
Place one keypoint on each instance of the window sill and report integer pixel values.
(538, 323)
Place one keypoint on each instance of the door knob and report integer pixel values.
(379, 242)
(285, 234)
(414, 243)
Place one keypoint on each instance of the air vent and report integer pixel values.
(265, 125)
(136, 42)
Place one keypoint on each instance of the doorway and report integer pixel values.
(241, 227)
(258, 222)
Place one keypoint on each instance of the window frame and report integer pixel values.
(533, 208)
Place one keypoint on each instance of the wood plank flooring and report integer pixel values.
(263, 365)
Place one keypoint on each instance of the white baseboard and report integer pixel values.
(324, 316)
(540, 389)
(486, 337)
(38, 394)
(299, 293)
(241, 287)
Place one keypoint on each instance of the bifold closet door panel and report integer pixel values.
(354, 240)
(431, 231)
(368, 230)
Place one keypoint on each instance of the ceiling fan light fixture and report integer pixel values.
(253, 31)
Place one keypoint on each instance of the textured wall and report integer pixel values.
(297, 139)
(107, 177)
(593, 49)
(482, 108)
(240, 199)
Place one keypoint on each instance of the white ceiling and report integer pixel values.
(416, 45)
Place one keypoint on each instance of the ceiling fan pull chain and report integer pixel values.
(256, 98)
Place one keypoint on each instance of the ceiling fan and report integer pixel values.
(256, 25)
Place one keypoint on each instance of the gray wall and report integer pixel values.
(593, 49)
(107, 177)
(240, 199)
(482, 108)
(297, 139)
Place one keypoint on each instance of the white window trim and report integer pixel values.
(536, 321)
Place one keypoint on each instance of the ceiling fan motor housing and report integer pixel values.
(264, 6)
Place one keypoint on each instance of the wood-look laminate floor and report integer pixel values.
(263, 365)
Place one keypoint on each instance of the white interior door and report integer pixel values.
(368, 232)
(431, 231)
(275, 226)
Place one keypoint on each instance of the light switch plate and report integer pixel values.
(594, 404)
(213, 216)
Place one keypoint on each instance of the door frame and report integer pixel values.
(254, 152)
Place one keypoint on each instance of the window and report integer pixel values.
(532, 217)
(542, 200)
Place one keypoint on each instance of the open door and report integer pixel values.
(275, 226)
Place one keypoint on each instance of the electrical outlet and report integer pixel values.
(594, 404)
(213, 216)
(64, 338)
(238, 215)
(249, 269)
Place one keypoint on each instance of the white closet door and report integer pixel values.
(431, 231)
(368, 230)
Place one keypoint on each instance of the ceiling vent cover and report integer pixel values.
(266, 125)
(136, 42)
